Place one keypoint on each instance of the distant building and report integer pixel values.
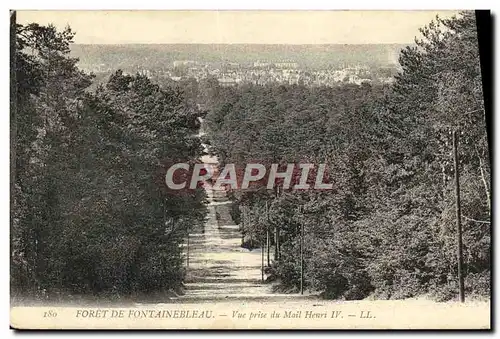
(293, 80)
(286, 64)
(261, 64)
(386, 80)
(178, 63)
(227, 82)
(145, 72)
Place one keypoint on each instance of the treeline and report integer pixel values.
(90, 213)
(387, 228)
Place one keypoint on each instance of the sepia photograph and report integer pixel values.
(250, 169)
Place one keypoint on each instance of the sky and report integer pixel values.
(248, 27)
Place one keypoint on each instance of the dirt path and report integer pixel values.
(219, 268)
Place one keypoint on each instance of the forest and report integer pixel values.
(89, 206)
(387, 229)
(89, 209)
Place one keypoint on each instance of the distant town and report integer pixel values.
(260, 72)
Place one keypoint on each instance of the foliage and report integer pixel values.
(90, 204)
(388, 226)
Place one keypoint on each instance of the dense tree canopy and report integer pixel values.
(90, 207)
(388, 226)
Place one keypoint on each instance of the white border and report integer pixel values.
(255, 4)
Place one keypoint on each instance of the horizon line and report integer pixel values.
(244, 43)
